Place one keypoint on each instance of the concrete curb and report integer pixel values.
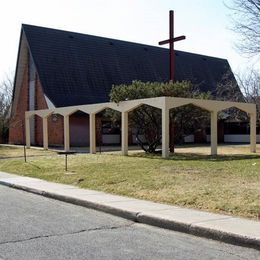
(226, 237)
(146, 218)
(84, 203)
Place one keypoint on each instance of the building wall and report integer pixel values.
(16, 130)
(55, 122)
(244, 138)
(79, 125)
(40, 103)
(79, 130)
(55, 130)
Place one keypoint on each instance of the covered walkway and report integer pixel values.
(163, 103)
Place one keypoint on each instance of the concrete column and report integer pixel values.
(45, 132)
(92, 133)
(165, 132)
(253, 133)
(124, 133)
(66, 133)
(214, 132)
(27, 133)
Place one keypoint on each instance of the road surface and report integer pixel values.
(35, 227)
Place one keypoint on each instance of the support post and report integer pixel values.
(165, 132)
(124, 133)
(27, 132)
(45, 132)
(214, 132)
(253, 132)
(66, 133)
(92, 133)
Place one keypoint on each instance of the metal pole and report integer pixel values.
(100, 140)
(24, 145)
(66, 163)
(24, 153)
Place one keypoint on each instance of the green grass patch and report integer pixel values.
(227, 184)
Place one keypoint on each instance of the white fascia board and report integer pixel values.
(49, 103)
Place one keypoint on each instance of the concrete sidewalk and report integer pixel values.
(215, 226)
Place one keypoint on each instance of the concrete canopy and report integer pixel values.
(163, 103)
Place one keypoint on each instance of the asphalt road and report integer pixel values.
(34, 227)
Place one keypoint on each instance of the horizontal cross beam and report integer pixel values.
(179, 38)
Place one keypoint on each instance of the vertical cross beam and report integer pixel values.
(171, 56)
(171, 41)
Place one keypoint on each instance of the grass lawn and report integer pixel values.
(9, 152)
(226, 183)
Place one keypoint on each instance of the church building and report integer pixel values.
(58, 68)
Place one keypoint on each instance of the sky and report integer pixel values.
(205, 23)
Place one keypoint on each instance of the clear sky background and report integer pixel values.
(205, 23)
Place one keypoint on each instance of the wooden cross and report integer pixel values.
(171, 41)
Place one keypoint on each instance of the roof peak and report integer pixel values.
(113, 41)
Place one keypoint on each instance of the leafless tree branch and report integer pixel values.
(246, 22)
(250, 86)
(6, 88)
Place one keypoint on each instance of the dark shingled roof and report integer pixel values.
(79, 69)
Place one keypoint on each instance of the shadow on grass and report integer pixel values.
(7, 148)
(34, 165)
(198, 157)
(21, 156)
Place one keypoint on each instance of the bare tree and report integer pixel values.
(229, 90)
(6, 88)
(246, 18)
(250, 86)
(146, 120)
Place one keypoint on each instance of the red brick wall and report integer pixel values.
(40, 103)
(55, 130)
(55, 122)
(78, 125)
(55, 127)
(17, 119)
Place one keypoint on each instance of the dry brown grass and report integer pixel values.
(226, 183)
(222, 149)
(12, 151)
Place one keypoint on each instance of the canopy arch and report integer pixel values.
(163, 103)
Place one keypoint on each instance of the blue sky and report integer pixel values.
(205, 23)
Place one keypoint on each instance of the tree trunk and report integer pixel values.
(171, 136)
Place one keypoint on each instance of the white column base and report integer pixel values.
(66, 133)
(252, 133)
(92, 133)
(45, 133)
(214, 132)
(165, 133)
(27, 132)
(124, 131)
